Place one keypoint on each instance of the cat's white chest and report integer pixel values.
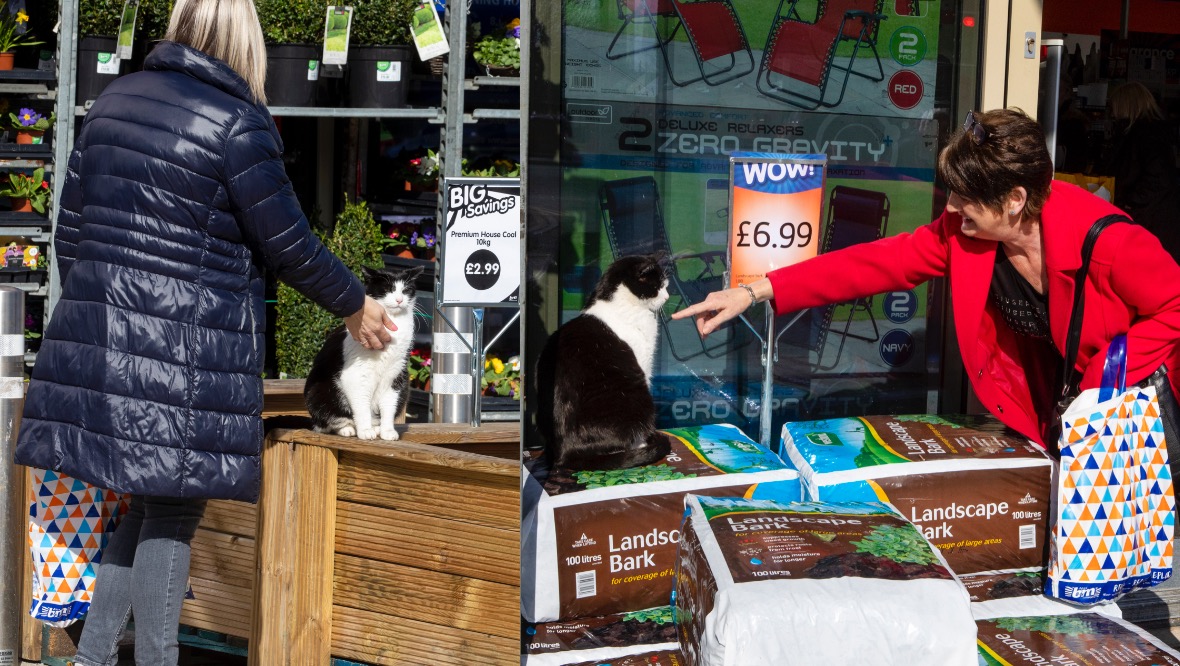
(635, 325)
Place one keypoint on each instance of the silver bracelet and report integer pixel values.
(750, 291)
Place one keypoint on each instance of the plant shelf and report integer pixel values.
(432, 114)
(24, 151)
(26, 74)
(29, 221)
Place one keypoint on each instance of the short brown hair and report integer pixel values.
(1013, 154)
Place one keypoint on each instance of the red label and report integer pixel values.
(905, 89)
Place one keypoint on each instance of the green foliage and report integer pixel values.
(502, 378)
(381, 22)
(292, 21)
(419, 367)
(99, 17)
(102, 18)
(34, 188)
(1055, 624)
(900, 543)
(622, 477)
(152, 22)
(661, 615)
(301, 325)
(498, 52)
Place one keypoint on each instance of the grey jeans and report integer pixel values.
(144, 570)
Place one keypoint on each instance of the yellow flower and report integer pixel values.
(21, 16)
(513, 23)
(497, 365)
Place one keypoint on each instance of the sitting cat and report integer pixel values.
(595, 408)
(348, 385)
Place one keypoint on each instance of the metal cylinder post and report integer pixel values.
(12, 501)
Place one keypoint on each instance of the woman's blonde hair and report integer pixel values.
(227, 30)
(1133, 101)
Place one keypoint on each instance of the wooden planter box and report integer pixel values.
(401, 552)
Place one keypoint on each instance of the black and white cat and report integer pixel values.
(349, 385)
(595, 408)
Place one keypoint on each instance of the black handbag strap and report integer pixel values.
(1073, 338)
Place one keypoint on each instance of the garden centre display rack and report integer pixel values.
(450, 355)
(34, 85)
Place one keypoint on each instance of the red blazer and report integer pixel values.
(1133, 287)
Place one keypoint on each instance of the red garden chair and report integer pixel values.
(806, 52)
(713, 28)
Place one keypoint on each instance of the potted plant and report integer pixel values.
(301, 325)
(397, 242)
(378, 53)
(27, 193)
(152, 24)
(13, 33)
(98, 24)
(422, 244)
(500, 378)
(419, 369)
(499, 52)
(294, 31)
(30, 126)
(422, 175)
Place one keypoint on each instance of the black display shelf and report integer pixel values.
(15, 151)
(10, 218)
(25, 75)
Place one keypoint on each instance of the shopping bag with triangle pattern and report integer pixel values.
(1115, 505)
(70, 522)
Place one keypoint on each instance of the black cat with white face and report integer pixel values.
(593, 387)
(349, 385)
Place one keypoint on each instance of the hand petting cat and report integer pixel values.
(370, 326)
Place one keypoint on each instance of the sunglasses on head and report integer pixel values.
(974, 128)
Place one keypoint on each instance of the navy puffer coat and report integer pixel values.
(149, 376)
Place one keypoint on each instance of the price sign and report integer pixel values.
(777, 203)
(481, 242)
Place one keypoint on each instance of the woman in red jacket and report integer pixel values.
(1010, 242)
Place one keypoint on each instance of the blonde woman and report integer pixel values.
(1146, 181)
(149, 377)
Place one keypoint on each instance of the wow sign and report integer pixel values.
(776, 202)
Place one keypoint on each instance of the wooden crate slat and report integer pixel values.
(428, 596)
(437, 544)
(395, 641)
(240, 518)
(431, 490)
(441, 444)
(218, 607)
(223, 557)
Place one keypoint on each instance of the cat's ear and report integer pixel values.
(368, 273)
(413, 273)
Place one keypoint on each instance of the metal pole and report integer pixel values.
(477, 354)
(453, 326)
(12, 501)
(765, 411)
(1125, 22)
(1055, 49)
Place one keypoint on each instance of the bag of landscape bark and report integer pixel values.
(1019, 593)
(657, 658)
(764, 582)
(596, 543)
(978, 491)
(1083, 639)
(598, 639)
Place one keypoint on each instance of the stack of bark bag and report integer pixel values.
(901, 517)
(598, 548)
